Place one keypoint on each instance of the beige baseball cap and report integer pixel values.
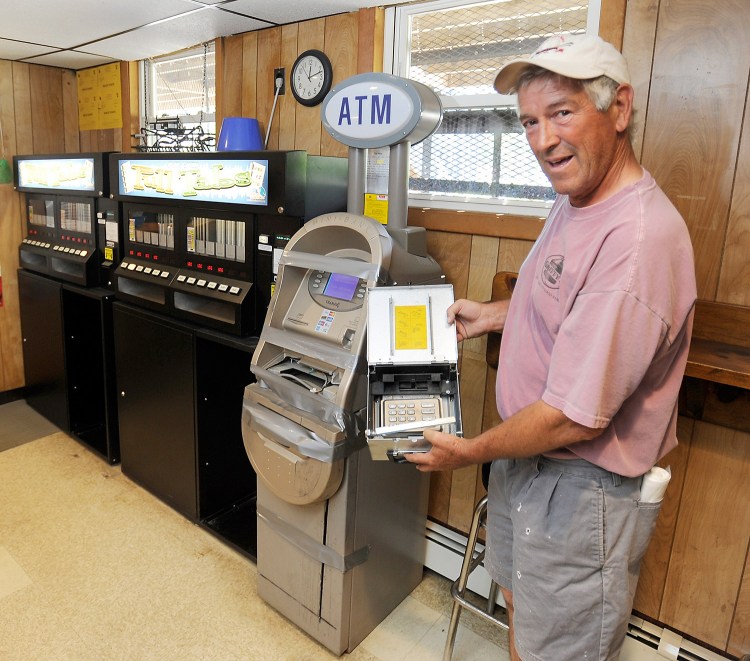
(580, 56)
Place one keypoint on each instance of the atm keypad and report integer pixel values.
(397, 411)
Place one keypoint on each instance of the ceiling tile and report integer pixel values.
(17, 50)
(184, 31)
(69, 23)
(291, 12)
(70, 59)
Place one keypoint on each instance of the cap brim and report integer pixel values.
(507, 78)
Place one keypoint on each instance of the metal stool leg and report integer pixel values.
(492, 598)
(458, 590)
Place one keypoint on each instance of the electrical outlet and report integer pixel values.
(279, 74)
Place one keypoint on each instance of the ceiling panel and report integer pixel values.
(75, 22)
(286, 11)
(70, 60)
(77, 34)
(17, 50)
(187, 30)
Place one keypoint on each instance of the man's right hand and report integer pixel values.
(473, 319)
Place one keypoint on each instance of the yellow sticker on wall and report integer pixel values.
(411, 327)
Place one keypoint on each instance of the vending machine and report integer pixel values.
(72, 226)
(202, 241)
(67, 257)
(202, 232)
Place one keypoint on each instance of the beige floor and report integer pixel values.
(92, 567)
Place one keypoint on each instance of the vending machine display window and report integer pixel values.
(76, 216)
(150, 232)
(217, 238)
(154, 229)
(41, 213)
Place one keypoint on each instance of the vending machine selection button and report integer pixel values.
(234, 290)
(223, 287)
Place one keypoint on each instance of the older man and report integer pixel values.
(595, 341)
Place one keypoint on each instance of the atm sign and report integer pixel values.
(375, 110)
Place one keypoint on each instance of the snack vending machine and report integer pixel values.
(67, 258)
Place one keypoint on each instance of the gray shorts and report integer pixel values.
(567, 537)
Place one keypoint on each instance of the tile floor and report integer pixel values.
(93, 567)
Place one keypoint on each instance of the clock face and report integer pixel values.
(311, 77)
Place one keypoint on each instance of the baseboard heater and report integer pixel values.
(646, 641)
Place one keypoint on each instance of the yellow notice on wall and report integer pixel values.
(411, 327)
(99, 98)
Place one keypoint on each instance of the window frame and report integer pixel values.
(396, 59)
(196, 118)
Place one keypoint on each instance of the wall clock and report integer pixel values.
(312, 75)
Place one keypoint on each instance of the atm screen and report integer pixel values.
(341, 286)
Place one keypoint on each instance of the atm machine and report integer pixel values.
(340, 534)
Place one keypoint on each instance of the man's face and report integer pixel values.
(575, 144)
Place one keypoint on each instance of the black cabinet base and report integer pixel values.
(237, 526)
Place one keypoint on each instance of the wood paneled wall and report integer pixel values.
(352, 41)
(38, 111)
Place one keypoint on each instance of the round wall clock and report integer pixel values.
(312, 75)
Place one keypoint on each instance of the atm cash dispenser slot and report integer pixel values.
(412, 369)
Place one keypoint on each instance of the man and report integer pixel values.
(595, 341)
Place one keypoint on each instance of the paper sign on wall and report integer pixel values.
(99, 98)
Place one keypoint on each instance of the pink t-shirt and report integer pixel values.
(599, 325)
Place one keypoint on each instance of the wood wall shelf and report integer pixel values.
(720, 347)
(718, 362)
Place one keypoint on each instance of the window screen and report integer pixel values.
(479, 155)
(179, 101)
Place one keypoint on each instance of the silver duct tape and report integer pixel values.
(286, 393)
(366, 271)
(288, 433)
(325, 351)
(308, 545)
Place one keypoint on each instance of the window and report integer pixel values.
(478, 158)
(179, 101)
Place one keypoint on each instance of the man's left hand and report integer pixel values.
(448, 453)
